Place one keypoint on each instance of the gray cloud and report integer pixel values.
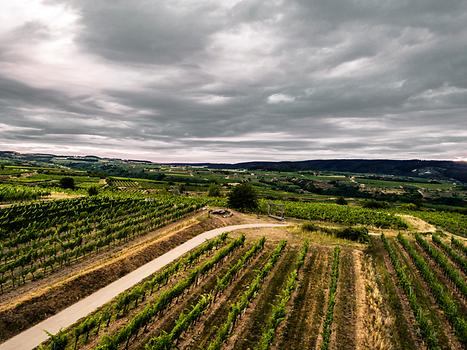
(234, 81)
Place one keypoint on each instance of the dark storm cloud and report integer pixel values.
(145, 31)
(236, 80)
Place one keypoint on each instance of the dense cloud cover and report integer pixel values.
(235, 80)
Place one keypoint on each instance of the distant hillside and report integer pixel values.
(430, 169)
(433, 169)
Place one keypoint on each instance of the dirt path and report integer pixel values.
(35, 335)
(345, 315)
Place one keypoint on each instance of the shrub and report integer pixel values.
(308, 226)
(92, 191)
(214, 190)
(341, 201)
(67, 182)
(410, 206)
(372, 204)
(359, 234)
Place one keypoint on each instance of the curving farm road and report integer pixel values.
(32, 337)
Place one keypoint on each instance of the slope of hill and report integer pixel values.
(435, 169)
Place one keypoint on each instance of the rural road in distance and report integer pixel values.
(32, 337)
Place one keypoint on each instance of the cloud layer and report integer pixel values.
(235, 80)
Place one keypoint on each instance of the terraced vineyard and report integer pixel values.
(202, 300)
(123, 184)
(247, 292)
(40, 238)
(18, 192)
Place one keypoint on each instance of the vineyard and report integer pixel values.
(10, 193)
(241, 291)
(242, 286)
(433, 287)
(124, 184)
(453, 222)
(341, 214)
(37, 239)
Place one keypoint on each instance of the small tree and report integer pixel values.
(341, 201)
(374, 204)
(67, 182)
(214, 190)
(92, 191)
(243, 197)
(181, 188)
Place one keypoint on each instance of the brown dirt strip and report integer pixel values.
(445, 334)
(361, 299)
(249, 327)
(192, 224)
(32, 306)
(374, 323)
(343, 335)
(299, 331)
(199, 336)
(404, 332)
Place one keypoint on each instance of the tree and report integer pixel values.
(67, 182)
(181, 188)
(214, 190)
(92, 191)
(243, 197)
(373, 204)
(341, 201)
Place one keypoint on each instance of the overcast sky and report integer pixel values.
(229, 81)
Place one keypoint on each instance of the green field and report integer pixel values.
(350, 271)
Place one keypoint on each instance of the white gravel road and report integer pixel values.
(32, 337)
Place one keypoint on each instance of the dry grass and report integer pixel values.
(417, 224)
(324, 239)
(376, 323)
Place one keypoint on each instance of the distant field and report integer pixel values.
(396, 184)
